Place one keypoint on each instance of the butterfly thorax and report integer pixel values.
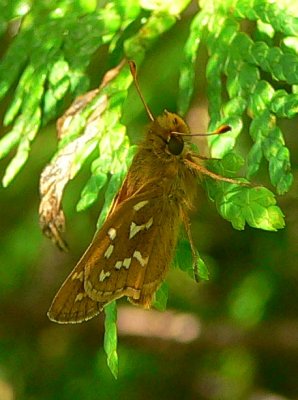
(156, 167)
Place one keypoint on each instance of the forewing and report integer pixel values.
(131, 254)
(72, 304)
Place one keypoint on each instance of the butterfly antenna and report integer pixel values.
(133, 70)
(218, 131)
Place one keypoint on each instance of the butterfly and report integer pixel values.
(131, 253)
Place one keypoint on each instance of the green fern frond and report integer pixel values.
(244, 62)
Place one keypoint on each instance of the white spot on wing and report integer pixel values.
(138, 256)
(118, 264)
(109, 251)
(149, 223)
(88, 285)
(140, 205)
(126, 262)
(80, 296)
(112, 233)
(79, 276)
(134, 228)
(103, 275)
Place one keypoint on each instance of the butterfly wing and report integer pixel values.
(135, 265)
(71, 304)
(125, 258)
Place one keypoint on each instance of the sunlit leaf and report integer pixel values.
(254, 206)
(110, 338)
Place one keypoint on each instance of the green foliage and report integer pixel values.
(110, 339)
(161, 297)
(184, 260)
(250, 65)
(47, 64)
(255, 206)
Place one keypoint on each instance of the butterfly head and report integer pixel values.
(164, 134)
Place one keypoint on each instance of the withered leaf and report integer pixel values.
(61, 169)
(76, 107)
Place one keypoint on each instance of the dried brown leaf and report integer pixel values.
(77, 106)
(54, 179)
(60, 171)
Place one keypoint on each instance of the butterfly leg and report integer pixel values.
(204, 157)
(213, 175)
(192, 246)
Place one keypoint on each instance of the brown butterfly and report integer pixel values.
(131, 253)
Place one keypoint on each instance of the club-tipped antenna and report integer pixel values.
(133, 70)
(218, 131)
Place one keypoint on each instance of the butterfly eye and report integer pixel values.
(175, 145)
